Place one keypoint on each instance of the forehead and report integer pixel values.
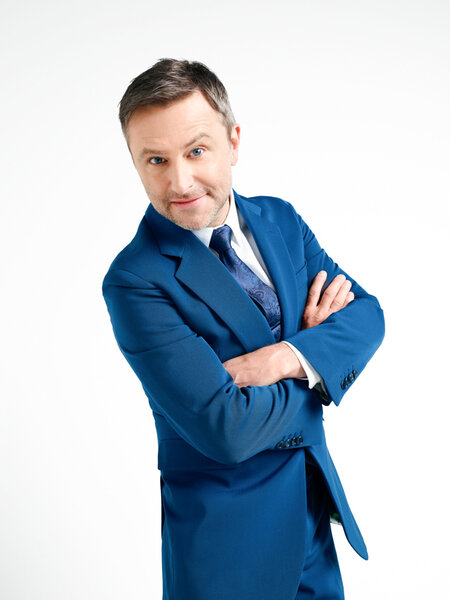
(173, 124)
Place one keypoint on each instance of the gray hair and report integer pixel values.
(170, 79)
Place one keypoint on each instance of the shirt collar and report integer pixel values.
(204, 234)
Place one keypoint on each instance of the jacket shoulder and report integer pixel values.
(139, 258)
(282, 213)
(270, 204)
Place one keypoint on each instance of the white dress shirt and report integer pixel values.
(243, 243)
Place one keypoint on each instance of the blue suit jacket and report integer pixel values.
(232, 459)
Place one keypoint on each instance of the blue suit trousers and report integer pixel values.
(320, 578)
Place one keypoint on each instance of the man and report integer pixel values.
(240, 329)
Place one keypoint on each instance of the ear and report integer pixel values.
(235, 139)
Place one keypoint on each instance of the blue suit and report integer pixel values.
(232, 459)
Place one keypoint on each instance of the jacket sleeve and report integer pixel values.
(341, 346)
(186, 382)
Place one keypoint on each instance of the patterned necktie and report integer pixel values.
(263, 296)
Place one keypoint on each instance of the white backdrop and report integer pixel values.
(344, 110)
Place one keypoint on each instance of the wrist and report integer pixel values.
(291, 365)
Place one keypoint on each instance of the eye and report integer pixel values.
(195, 150)
(158, 158)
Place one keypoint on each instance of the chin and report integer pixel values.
(192, 223)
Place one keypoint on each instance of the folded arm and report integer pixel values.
(186, 382)
(340, 347)
(340, 329)
(274, 362)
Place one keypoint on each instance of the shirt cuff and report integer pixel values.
(312, 375)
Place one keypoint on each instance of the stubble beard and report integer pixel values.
(197, 223)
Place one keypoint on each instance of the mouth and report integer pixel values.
(189, 202)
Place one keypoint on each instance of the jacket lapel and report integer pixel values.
(204, 274)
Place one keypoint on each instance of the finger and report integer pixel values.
(350, 297)
(331, 291)
(341, 295)
(316, 288)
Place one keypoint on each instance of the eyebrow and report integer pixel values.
(158, 152)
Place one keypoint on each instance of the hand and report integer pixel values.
(336, 296)
(264, 366)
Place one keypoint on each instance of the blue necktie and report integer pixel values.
(263, 296)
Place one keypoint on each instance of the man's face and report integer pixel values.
(184, 157)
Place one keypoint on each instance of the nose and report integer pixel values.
(180, 177)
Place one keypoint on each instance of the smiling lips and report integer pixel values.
(188, 202)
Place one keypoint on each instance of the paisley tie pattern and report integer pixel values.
(262, 295)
